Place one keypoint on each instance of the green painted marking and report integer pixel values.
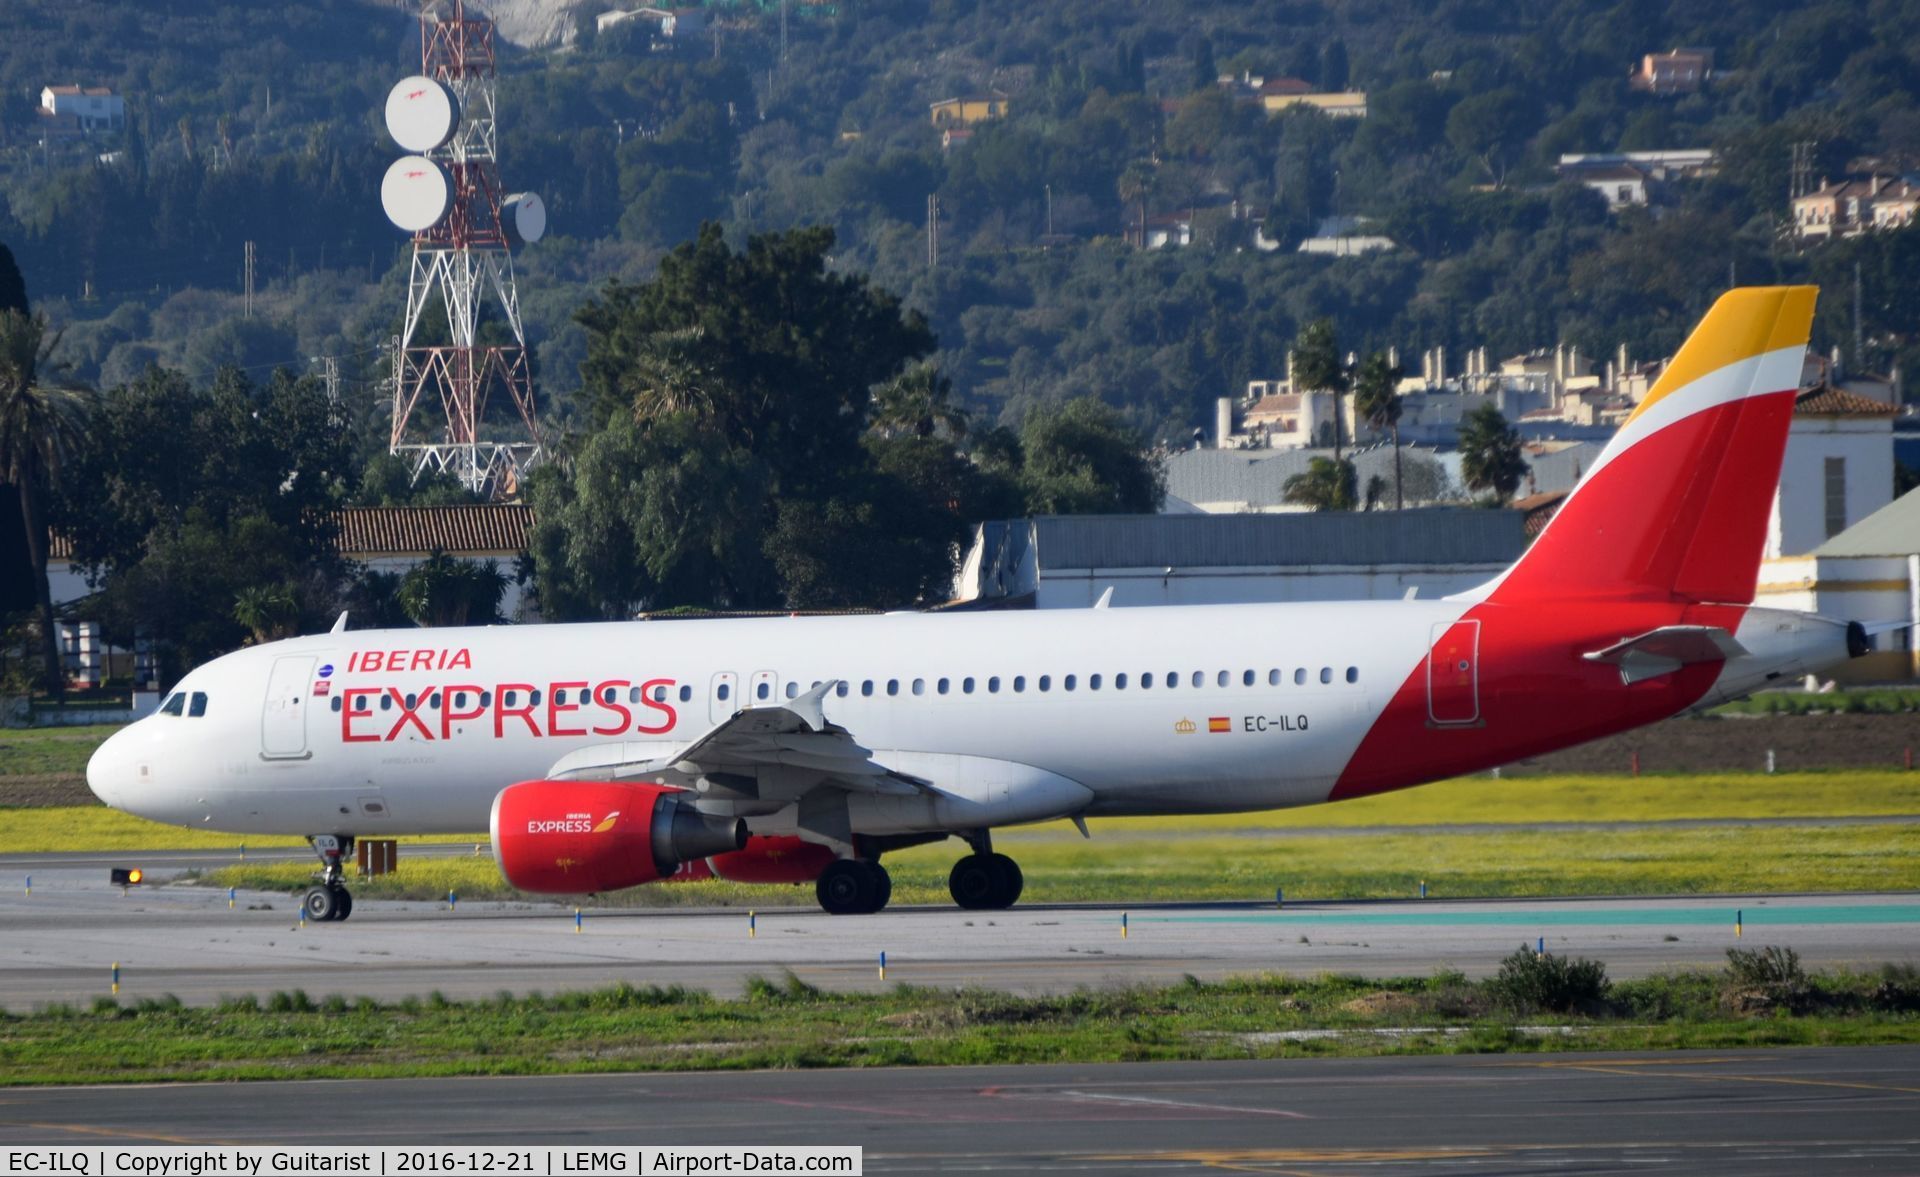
(1858, 913)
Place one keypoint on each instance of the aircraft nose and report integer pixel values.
(107, 770)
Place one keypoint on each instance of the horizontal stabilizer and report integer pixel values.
(1667, 649)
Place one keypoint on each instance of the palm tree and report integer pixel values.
(1490, 453)
(39, 427)
(270, 611)
(1327, 485)
(671, 374)
(918, 403)
(1317, 367)
(1375, 401)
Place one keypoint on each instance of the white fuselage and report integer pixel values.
(1294, 686)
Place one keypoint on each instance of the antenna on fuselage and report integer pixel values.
(339, 623)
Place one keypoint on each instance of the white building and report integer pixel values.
(1838, 469)
(91, 108)
(1869, 573)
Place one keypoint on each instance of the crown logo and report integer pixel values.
(1184, 727)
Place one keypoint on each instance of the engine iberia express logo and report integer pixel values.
(606, 823)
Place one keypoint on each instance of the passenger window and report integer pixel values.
(993, 685)
(486, 698)
(1300, 676)
(893, 686)
(413, 700)
(686, 693)
(762, 690)
(508, 699)
(840, 689)
(866, 688)
(633, 694)
(460, 700)
(1019, 682)
(560, 697)
(1173, 679)
(941, 686)
(1220, 679)
(1119, 682)
(659, 694)
(362, 704)
(1326, 674)
(1273, 678)
(1199, 678)
(1093, 682)
(386, 702)
(1146, 682)
(1246, 679)
(175, 703)
(1353, 674)
(336, 703)
(722, 692)
(197, 706)
(793, 690)
(919, 686)
(433, 700)
(533, 697)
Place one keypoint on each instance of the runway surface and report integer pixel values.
(61, 941)
(1828, 1111)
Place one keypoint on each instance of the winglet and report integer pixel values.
(810, 707)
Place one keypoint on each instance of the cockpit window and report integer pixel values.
(175, 702)
(198, 707)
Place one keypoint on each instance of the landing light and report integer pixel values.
(127, 876)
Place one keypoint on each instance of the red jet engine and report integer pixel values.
(578, 837)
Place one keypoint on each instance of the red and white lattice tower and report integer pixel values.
(448, 194)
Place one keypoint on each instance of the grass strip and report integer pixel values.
(1467, 801)
(1535, 1003)
(37, 751)
(1063, 868)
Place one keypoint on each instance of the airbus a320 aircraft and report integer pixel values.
(608, 755)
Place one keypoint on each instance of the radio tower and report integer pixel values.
(448, 193)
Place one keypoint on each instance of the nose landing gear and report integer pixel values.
(330, 899)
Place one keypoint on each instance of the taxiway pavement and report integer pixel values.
(62, 941)
(1756, 1114)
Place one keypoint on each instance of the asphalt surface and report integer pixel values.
(61, 942)
(1828, 1111)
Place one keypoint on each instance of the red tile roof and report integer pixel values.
(398, 531)
(1824, 400)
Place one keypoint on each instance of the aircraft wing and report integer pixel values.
(778, 750)
(1667, 649)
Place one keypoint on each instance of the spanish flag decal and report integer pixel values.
(1219, 723)
(606, 823)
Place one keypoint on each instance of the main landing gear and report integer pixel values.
(854, 886)
(983, 880)
(329, 899)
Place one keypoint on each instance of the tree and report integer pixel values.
(1487, 127)
(1084, 459)
(13, 288)
(269, 610)
(442, 591)
(40, 427)
(1376, 403)
(1327, 485)
(1317, 367)
(918, 403)
(1490, 457)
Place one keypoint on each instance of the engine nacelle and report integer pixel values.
(781, 859)
(575, 837)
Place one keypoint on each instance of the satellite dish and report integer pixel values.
(421, 113)
(524, 215)
(415, 193)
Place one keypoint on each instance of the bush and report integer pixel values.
(1762, 980)
(1530, 980)
(1897, 991)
